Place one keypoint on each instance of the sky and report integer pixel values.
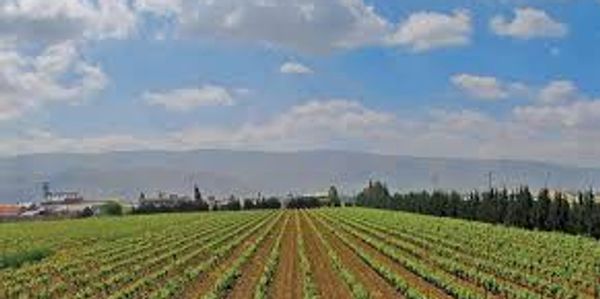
(497, 79)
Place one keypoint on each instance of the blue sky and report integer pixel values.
(476, 79)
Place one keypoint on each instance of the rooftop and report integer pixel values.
(8, 209)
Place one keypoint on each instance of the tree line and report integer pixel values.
(198, 203)
(310, 202)
(518, 208)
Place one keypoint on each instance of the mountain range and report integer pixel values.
(246, 173)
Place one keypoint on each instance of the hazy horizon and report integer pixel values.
(246, 173)
(292, 151)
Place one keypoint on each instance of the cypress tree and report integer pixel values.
(542, 209)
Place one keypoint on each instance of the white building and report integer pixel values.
(63, 197)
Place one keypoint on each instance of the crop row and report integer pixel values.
(175, 276)
(74, 266)
(226, 280)
(434, 276)
(452, 268)
(356, 287)
(309, 289)
(493, 277)
(222, 255)
(121, 272)
(268, 272)
(531, 258)
(146, 262)
(472, 274)
(397, 281)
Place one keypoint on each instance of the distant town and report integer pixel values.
(72, 204)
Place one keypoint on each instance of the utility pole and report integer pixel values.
(435, 181)
(46, 190)
(490, 180)
(548, 174)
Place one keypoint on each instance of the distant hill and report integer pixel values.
(224, 172)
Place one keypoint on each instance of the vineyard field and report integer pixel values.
(320, 253)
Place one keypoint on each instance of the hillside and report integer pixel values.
(223, 172)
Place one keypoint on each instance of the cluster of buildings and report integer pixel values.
(57, 203)
(11, 210)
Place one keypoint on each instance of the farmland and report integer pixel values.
(321, 253)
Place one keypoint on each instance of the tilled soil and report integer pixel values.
(253, 269)
(326, 279)
(375, 284)
(412, 279)
(287, 283)
(205, 283)
(426, 260)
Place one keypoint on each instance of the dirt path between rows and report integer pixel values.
(424, 255)
(375, 284)
(327, 281)
(287, 283)
(425, 288)
(204, 284)
(253, 269)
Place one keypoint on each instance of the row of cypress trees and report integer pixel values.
(519, 208)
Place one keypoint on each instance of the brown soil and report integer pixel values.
(327, 281)
(427, 260)
(469, 258)
(254, 267)
(425, 288)
(206, 281)
(287, 283)
(465, 259)
(149, 270)
(375, 284)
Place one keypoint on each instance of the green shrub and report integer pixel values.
(112, 208)
(16, 260)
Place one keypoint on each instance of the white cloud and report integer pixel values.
(557, 92)
(492, 88)
(561, 135)
(575, 115)
(307, 25)
(113, 19)
(529, 23)
(40, 44)
(41, 21)
(29, 82)
(159, 7)
(480, 87)
(315, 124)
(319, 121)
(291, 67)
(189, 98)
(311, 25)
(424, 31)
(564, 134)
(561, 108)
(559, 124)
